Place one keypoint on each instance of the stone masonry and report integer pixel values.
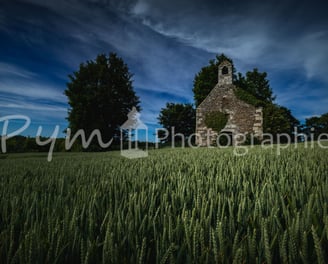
(243, 118)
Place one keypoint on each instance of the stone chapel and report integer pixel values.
(241, 117)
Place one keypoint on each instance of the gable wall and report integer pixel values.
(243, 117)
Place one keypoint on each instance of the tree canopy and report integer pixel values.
(316, 125)
(278, 119)
(100, 95)
(180, 116)
(257, 84)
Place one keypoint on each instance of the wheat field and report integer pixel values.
(175, 206)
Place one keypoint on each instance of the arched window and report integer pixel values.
(225, 70)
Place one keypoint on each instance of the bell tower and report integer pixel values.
(225, 73)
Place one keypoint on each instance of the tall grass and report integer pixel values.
(176, 206)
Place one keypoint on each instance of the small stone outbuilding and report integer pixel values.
(243, 118)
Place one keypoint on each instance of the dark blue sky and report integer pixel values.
(164, 43)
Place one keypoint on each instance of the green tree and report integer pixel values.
(316, 125)
(278, 119)
(180, 116)
(207, 78)
(257, 84)
(100, 95)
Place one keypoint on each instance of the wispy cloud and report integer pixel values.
(15, 71)
(32, 90)
(24, 92)
(152, 55)
(314, 50)
(165, 44)
(256, 33)
(304, 98)
(44, 107)
(38, 111)
(214, 36)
